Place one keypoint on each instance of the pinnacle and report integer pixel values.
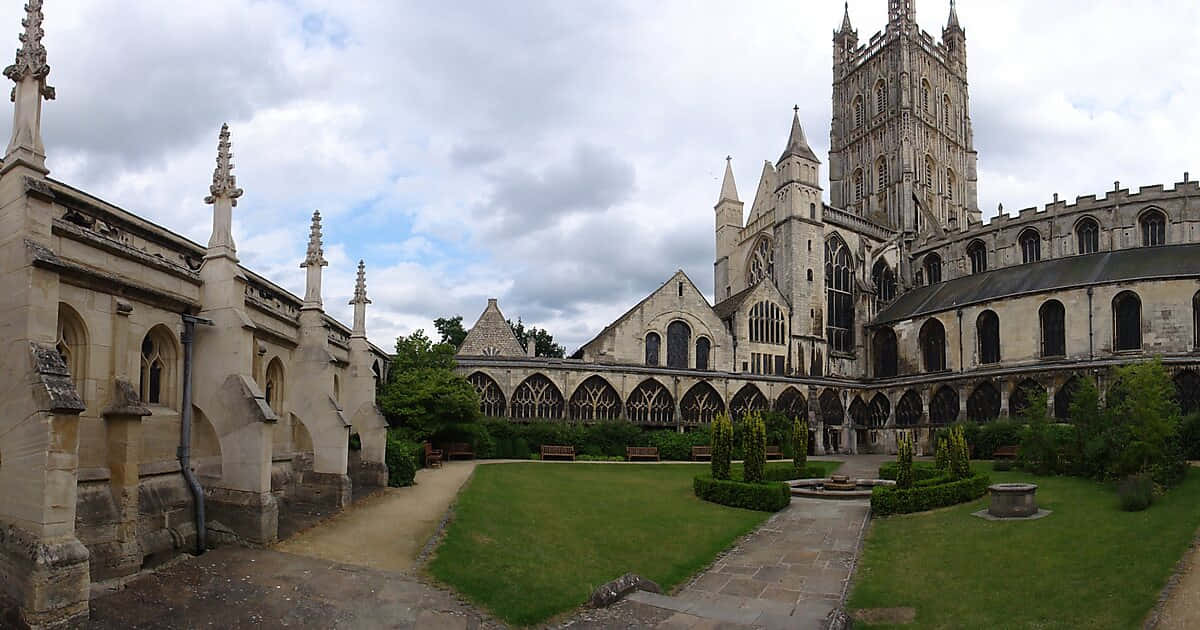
(846, 27)
(315, 254)
(728, 187)
(797, 144)
(360, 285)
(953, 22)
(31, 56)
(224, 184)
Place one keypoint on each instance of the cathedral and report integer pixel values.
(885, 306)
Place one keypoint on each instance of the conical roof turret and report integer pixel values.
(846, 27)
(728, 186)
(797, 144)
(953, 21)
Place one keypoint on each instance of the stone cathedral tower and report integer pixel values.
(901, 145)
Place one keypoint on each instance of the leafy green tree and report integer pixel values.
(905, 449)
(424, 394)
(418, 351)
(941, 459)
(1143, 399)
(543, 340)
(1038, 453)
(958, 454)
(1093, 431)
(451, 329)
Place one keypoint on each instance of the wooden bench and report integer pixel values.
(1005, 452)
(459, 449)
(552, 450)
(701, 452)
(774, 452)
(641, 452)
(433, 457)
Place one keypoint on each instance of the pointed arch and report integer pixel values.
(1087, 236)
(987, 331)
(885, 284)
(859, 181)
(159, 378)
(832, 410)
(703, 349)
(951, 181)
(933, 268)
(881, 96)
(650, 403)
(1022, 392)
(760, 264)
(72, 346)
(977, 253)
(926, 90)
(679, 341)
(909, 410)
(943, 407)
(1030, 241)
(933, 345)
(491, 398)
(537, 398)
(984, 402)
(947, 110)
(595, 400)
(749, 398)
(792, 403)
(1187, 390)
(1127, 321)
(860, 111)
(839, 291)
(885, 349)
(1063, 397)
(881, 408)
(275, 386)
(882, 178)
(860, 414)
(1154, 227)
(701, 404)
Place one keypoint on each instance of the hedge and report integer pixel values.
(403, 458)
(781, 473)
(770, 496)
(887, 500)
(921, 471)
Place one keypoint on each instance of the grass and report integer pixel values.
(530, 541)
(1087, 565)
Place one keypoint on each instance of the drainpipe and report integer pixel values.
(185, 427)
(1091, 346)
(960, 345)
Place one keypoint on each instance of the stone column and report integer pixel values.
(123, 433)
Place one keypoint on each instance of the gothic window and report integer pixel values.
(762, 262)
(880, 408)
(859, 113)
(881, 97)
(925, 95)
(988, 328)
(950, 184)
(946, 110)
(885, 284)
(679, 338)
(1054, 331)
(1154, 228)
(860, 415)
(840, 302)
(1031, 245)
(881, 169)
(748, 399)
(157, 383)
(595, 399)
(701, 404)
(933, 268)
(831, 408)
(653, 341)
(491, 399)
(858, 185)
(908, 410)
(703, 346)
(984, 403)
(929, 172)
(884, 347)
(536, 398)
(1087, 234)
(943, 407)
(977, 252)
(933, 345)
(1187, 389)
(71, 344)
(1127, 321)
(792, 403)
(1019, 401)
(650, 403)
(275, 387)
(812, 211)
(1062, 398)
(767, 324)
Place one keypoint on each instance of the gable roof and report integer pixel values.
(679, 274)
(491, 336)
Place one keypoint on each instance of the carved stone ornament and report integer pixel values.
(31, 56)
(224, 183)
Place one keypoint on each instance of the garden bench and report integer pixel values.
(774, 452)
(433, 457)
(551, 450)
(1005, 452)
(641, 452)
(459, 449)
(701, 452)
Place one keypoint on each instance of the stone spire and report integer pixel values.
(797, 144)
(223, 196)
(29, 72)
(313, 261)
(360, 302)
(728, 187)
(953, 21)
(846, 27)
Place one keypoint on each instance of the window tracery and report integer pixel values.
(762, 262)
(595, 399)
(977, 252)
(536, 398)
(1087, 235)
(491, 399)
(767, 324)
(701, 404)
(650, 403)
(839, 296)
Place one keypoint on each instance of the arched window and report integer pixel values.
(276, 387)
(1031, 245)
(909, 409)
(881, 407)
(933, 345)
(977, 252)
(1154, 228)
(1087, 236)
(984, 403)
(595, 399)
(988, 328)
(943, 407)
(946, 110)
(840, 300)
(679, 340)
(650, 403)
(885, 350)
(1051, 315)
(158, 372)
(491, 399)
(860, 415)
(859, 111)
(950, 184)
(536, 398)
(703, 346)
(1187, 391)
(749, 398)
(72, 346)
(881, 171)
(831, 408)
(885, 284)
(1127, 321)
(881, 97)
(929, 172)
(767, 324)
(858, 185)
(792, 403)
(653, 341)
(925, 90)
(933, 268)
(762, 262)
(1062, 398)
(701, 404)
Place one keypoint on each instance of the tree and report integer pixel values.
(722, 446)
(423, 393)
(543, 340)
(451, 329)
(799, 445)
(418, 351)
(755, 448)
(1143, 399)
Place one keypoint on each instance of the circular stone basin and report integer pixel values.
(1013, 500)
(837, 487)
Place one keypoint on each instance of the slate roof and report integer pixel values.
(491, 336)
(727, 307)
(1141, 263)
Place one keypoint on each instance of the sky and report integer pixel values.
(563, 157)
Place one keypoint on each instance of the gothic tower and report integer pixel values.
(901, 146)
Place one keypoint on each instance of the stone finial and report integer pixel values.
(31, 56)
(224, 184)
(360, 285)
(316, 254)
(29, 72)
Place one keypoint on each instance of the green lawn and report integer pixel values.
(1087, 565)
(529, 541)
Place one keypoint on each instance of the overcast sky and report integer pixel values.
(563, 156)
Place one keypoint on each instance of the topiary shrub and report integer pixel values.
(799, 445)
(401, 458)
(722, 446)
(755, 448)
(941, 457)
(1136, 492)
(764, 497)
(904, 463)
(958, 454)
(927, 495)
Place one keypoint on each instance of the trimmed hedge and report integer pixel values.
(403, 458)
(781, 473)
(770, 496)
(921, 471)
(887, 500)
